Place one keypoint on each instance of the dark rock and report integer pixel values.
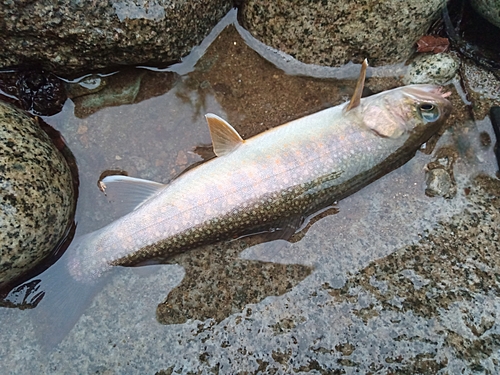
(71, 37)
(37, 200)
(495, 122)
(39, 92)
(470, 35)
(333, 33)
(489, 9)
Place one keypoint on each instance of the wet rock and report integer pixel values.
(471, 36)
(218, 283)
(128, 86)
(489, 9)
(36, 194)
(39, 92)
(440, 183)
(254, 94)
(333, 33)
(432, 68)
(482, 88)
(440, 180)
(71, 37)
(448, 282)
(495, 122)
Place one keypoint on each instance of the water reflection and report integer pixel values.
(127, 86)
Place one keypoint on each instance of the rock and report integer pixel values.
(216, 271)
(37, 199)
(482, 87)
(440, 180)
(489, 9)
(495, 122)
(440, 183)
(432, 68)
(39, 92)
(128, 86)
(332, 33)
(77, 36)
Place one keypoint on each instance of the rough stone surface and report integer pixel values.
(204, 294)
(333, 32)
(489, 9)
(448, 277)
(482, 88)
(432, 68)
(36, 194)
(69, 37)
(440, 180)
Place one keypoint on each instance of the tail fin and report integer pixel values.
(64, 300)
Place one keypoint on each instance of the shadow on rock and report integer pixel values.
(218, 283)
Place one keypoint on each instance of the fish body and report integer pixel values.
(282, 174)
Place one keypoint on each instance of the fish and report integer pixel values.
(280, 176)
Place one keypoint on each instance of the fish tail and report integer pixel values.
(64, 299)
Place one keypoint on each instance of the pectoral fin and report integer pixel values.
(129, 192)
(224, 138)
(358, 91)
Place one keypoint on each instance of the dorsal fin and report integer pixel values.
(358, 91)
(224, 138)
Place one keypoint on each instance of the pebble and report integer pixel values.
(432, 68)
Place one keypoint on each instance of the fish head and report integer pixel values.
(415, 111)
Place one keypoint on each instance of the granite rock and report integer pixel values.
(482, 87)
(432, 68)
(332, 33)
(36, 194)
(71, 37)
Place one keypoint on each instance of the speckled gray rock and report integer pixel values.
(333, 33)
(432, 68)
(489, 9)
(36, 194)
(74, 36)
(482, 87)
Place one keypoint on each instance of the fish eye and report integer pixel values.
(428, 111)
(426, 107)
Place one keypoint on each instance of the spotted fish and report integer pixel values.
(281, 175)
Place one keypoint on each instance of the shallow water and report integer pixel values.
(228, 312)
